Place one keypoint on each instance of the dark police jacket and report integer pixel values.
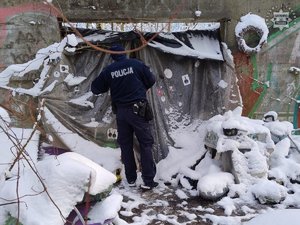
(127, 79)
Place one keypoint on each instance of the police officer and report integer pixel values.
(128, 81)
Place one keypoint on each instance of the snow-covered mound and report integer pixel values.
(52, 187)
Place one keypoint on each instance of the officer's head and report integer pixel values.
(117, 48)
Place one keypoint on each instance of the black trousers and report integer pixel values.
(130, 124)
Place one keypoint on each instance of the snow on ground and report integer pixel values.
(179, 204)
(277, 217)
(176, 203)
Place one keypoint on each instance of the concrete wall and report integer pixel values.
(24, 30)
(228, 12)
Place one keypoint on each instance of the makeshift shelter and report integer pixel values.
(195, 80)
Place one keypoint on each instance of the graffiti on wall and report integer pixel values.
(24, 30)
(265, 79)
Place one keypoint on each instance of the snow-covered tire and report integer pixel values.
(251, 22)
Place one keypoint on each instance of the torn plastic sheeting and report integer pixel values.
(198, 44)
(192, 45)
(186, 89)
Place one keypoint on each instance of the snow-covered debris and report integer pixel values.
(210, 178)
(100, 178)
(107, 209)
(214, 185)
(279, 129)
(242, 144)
(269, 192)
(284, 168)
(270, 116)
(66, 178)
(48, 188)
